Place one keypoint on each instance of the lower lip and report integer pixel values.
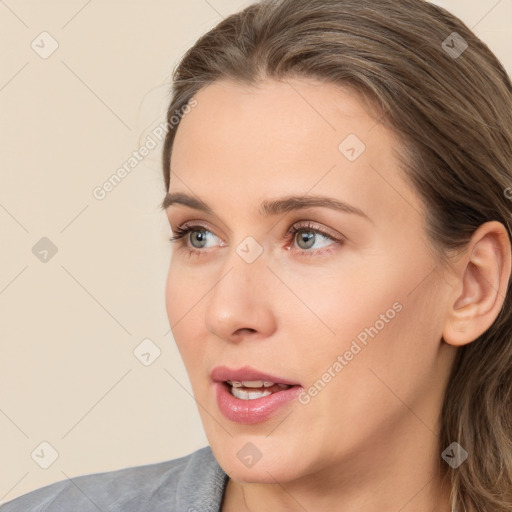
(252, 411)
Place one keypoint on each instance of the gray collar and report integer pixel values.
(202, 484)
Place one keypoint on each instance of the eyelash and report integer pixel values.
(183, 231)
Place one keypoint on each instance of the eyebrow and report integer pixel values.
(269, 207)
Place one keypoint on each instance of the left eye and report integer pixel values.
(306, 237)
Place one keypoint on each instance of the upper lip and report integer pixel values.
(223, 373)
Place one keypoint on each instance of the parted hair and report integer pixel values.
(448, 100)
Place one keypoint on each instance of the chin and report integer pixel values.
(262, 473)
(254, 459)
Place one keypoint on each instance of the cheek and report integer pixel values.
(381, 302)
(182, 293)
(173, 291)
(183, 290)
(385, 345)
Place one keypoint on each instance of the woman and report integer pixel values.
(340, 206)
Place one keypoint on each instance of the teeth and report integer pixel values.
(250, 383)
(249, 395)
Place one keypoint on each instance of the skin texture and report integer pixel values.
(368, 440)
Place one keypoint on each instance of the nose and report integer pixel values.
(241, 303)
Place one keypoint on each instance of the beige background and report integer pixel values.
(69, 325)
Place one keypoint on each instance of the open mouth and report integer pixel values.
(254, 389)
(249, 396)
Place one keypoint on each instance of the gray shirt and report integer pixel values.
(194, 483)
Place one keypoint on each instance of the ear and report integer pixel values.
(482, 276)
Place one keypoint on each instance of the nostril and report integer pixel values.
(248, 329)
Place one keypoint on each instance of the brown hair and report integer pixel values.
(451, 107)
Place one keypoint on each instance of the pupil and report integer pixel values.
(200, 237)
(306, 238)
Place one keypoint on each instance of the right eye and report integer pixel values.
(196, 235)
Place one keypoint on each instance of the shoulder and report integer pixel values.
(194, 482)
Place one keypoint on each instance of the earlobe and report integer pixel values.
(483, 275)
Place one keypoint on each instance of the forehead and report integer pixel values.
(293, 136)
(286, 112)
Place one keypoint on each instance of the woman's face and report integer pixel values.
(349, 309)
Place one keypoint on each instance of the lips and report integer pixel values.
(224, 374)
(248, 396)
